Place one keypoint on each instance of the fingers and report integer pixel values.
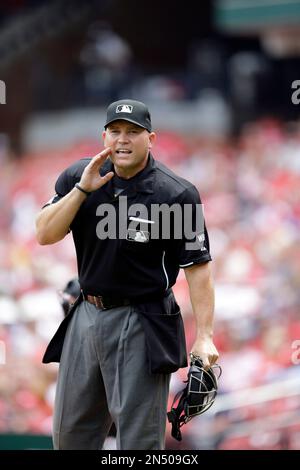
(91, 178)
(206, 363)
(211, 360)
(200, 357)
(107, 177)
(104, 153)
(100, 158)
(208, 360)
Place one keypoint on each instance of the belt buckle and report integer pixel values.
(99, 302)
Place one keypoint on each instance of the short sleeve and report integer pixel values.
(64, 183)
(193, 245)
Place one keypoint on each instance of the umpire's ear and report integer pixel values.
(152, 138)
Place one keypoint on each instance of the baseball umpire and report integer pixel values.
(124, 335)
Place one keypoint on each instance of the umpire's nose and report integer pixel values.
(123, 137)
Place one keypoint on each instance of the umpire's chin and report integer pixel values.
(128, 164)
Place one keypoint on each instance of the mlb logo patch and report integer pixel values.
(201, 237)
(124, 108)
(140, 236)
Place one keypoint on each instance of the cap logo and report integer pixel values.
(124, 108)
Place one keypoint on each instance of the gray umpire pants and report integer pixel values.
(104, 378)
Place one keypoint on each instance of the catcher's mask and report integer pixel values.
(197, 397)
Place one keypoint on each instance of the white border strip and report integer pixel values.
(163, 265)
(137, 219)
(184, 265)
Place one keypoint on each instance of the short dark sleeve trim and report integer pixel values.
(203, 260)
(53, 200)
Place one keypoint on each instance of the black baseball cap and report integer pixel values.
(129, 110)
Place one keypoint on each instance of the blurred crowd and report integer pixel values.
(250, 189)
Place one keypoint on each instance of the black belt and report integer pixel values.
(107, 302)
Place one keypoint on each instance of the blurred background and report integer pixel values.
(220, 78)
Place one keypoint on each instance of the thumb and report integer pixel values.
(107, 177)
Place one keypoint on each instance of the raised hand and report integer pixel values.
(91, 178)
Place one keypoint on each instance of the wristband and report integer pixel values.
(81, 189)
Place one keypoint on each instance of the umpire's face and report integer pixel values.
(130, 145)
